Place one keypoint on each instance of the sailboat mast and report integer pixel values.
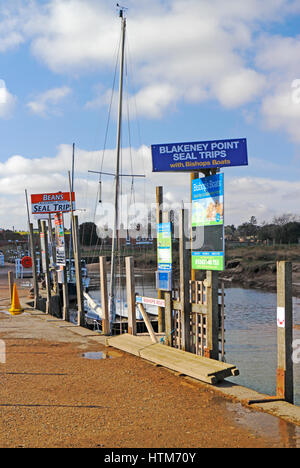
(71, 227)
(112, 302)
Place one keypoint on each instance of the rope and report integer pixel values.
(162, 340)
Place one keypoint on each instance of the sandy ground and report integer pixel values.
(52, 396)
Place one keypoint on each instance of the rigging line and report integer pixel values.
(111, 101)
(117, 51)
(105, 143)
(120, 175)
(128, 116)
(137, 123)
(87, 214)
(93, 251)
(111, 98)
(143, 156)
(134, 97)
(106, 135)
(94, 217)
(132, 192)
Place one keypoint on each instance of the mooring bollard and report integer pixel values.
(285, 375)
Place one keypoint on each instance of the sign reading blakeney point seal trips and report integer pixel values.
(199, 155)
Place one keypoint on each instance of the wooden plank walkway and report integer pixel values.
(200, 368)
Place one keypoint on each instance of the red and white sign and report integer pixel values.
(150, 301)
(49, 203)
(280, 317)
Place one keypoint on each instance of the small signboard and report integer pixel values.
(208, 221)
(150, 301)
(164, 247)
(189, 157)
(280, 317)
(43, 251)
(46, 204)
(60, 239)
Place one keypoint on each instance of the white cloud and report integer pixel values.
(7, 101)
(11, 33)
(191, 50)
(240, 88)
(46, 103)
(278, 53)
(282, 112)
(153, 100)
(196, 47)
(262, 197)
(150, 101)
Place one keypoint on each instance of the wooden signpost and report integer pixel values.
(285, 376)
(34, 272)
(45, 258)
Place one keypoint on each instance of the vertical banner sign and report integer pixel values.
(164, 247)
(43, 251)
(208, 223)
(60, 239)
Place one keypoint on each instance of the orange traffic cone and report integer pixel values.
(16, 308)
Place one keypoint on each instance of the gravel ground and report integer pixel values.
(53, 396)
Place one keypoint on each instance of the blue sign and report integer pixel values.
(199, 155)
(208, 200)
(208, 220)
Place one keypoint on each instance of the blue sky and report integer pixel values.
(197, 70)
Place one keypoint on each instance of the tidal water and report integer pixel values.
(251, 338)
(251, 335)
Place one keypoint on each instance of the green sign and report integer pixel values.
(208, 261)
(164, 247)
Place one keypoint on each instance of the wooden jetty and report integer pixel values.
(200, 368)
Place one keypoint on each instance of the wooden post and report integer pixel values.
(148, 323)
(10, 284)
(185, 268)
(130, 286)
(193, 175)
(285, 376)
(212, 321)
(167, 311)
(159, 205)
(53, 251)
(66, 310)
(104, 296)
(77, 259)
(169, 323)
(40, 245)
(45, 252)
(34, 272)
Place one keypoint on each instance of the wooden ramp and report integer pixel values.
(200, 368)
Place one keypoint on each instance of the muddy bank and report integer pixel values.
(255, 267)
(237, 273)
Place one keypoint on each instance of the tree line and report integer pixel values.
(283, 229)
